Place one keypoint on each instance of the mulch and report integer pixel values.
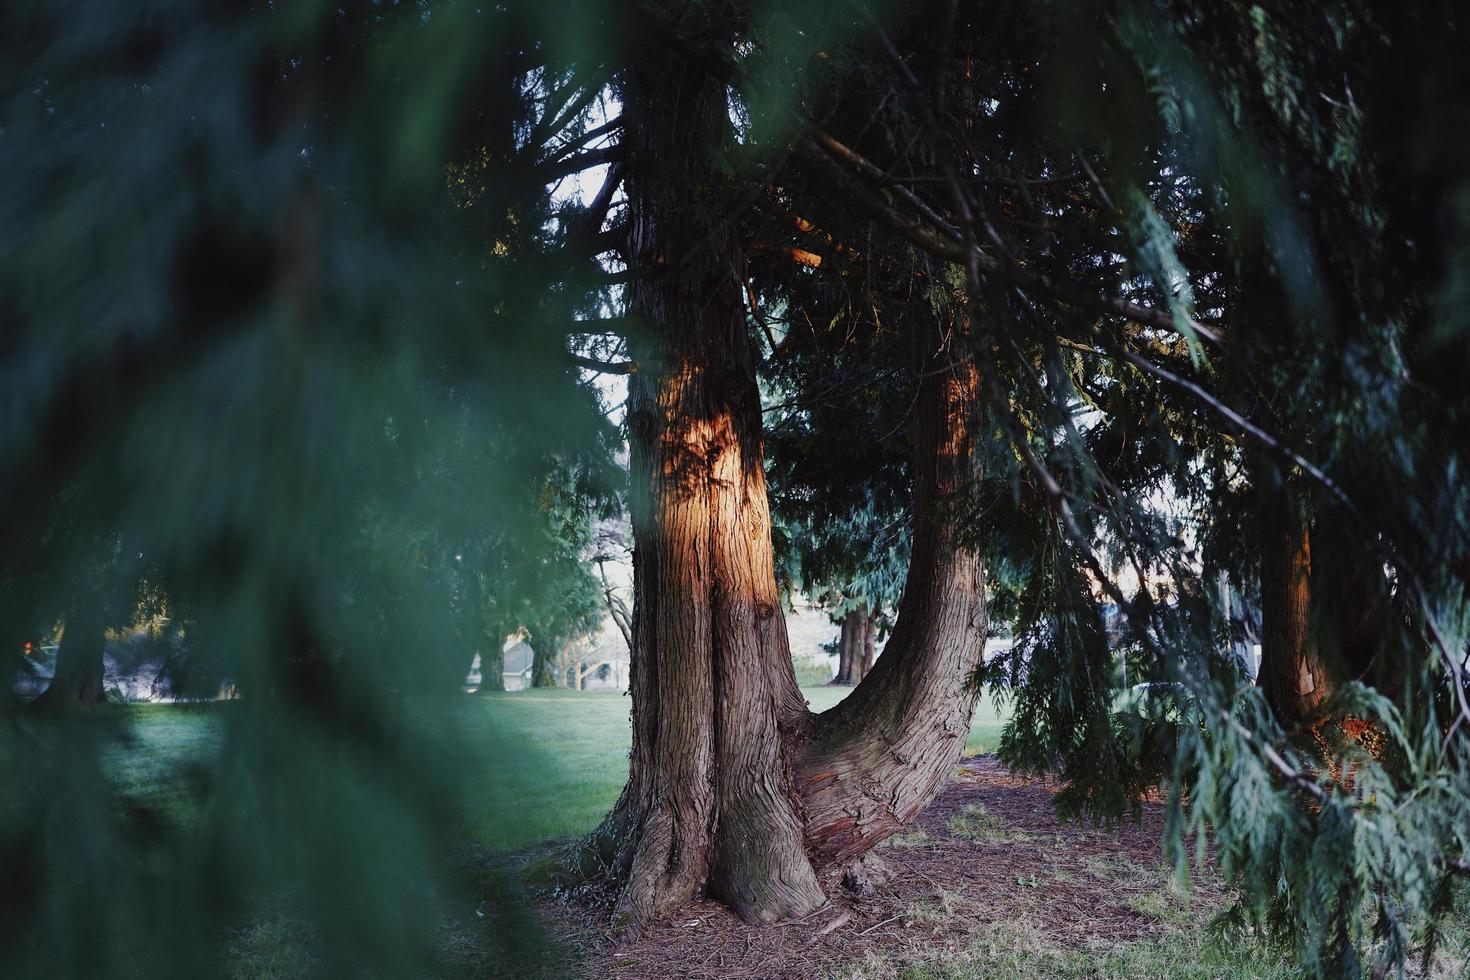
(1080, 880)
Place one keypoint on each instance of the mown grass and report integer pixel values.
(565, 753)
(558, 759)
(581, 741)
(553, 760)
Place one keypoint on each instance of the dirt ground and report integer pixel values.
(988, 851)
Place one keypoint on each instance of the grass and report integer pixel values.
(561, 756)
(566, 757)
(908, 838)
(1027, 950)
(166, 747)
(555, 759)
(976, 824)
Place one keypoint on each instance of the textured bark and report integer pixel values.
(492, 666)
(77, 682)
(873, 762)
(846, 645)
(870, 627)
(722, 784)
(1291, 674)
(709, 806)
(543, 668)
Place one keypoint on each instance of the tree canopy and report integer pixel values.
(300, 306)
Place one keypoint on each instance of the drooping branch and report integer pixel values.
(939, 238)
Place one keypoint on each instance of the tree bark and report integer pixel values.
(855, 626)
(1291, 674)
(543, 670)
(873, 762)
(492, 666)
(77, 682)
(869, 627)
(846, 646)
(727, 796)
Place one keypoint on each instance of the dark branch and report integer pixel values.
(603, 367)
(940, 239)
(586, 160)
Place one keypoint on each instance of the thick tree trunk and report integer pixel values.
(543, 668)
(1291, 674)
(492, 666)
(77, 682)
(848, 650)
(873, 762)
(854, 647)
(725, 797)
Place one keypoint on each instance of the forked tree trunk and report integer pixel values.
(727, 795)
(1291, 675)
(77, 682)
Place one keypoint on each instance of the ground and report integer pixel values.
(987, 883)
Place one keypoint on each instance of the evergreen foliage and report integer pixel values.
(294, 309)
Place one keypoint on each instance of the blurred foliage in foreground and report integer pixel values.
(285, 327)
(252, 351)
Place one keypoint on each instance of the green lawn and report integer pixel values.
(529, 766)
(583, 739)
(556, 758)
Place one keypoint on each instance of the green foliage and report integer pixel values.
(288, 303)
(250, 336)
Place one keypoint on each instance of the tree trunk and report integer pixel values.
(845, 648)
(869, 627)
(725, 796)
(77, 682)
(543, 670)
(492, 666)
(1291, 674)
(856, 647)
(873, 762)
(1351, 602)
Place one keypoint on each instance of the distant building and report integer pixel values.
(600, 664)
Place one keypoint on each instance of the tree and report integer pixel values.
(77, 682)
(1121, 258)
(723, 746)
(1091, 262)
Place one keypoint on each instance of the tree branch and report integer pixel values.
(597, 156)
(603, 367)
(941, 239)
